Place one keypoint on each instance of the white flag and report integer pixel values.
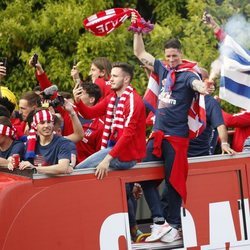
(235, 74)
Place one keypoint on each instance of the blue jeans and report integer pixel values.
(150, 188)
(132, 205)
(95, 159)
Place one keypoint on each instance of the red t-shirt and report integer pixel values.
(91, 141)
(19, 125)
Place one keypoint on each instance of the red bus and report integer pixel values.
(76, 211)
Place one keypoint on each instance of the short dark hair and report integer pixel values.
(31, 97)
(29, 118)
(37, 88)
(127, 68)
(57, 121)
(173, 43)
(92, 89)
(4, 111)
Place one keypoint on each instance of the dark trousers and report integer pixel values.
(172, 199)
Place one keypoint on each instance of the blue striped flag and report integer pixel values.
(235, 74)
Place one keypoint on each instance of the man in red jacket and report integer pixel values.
(124, 137)
(241, 124)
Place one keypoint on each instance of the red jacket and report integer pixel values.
(132, 143)
(241, 124)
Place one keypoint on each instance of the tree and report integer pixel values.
(52, 29)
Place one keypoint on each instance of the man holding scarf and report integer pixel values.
(124, 136)
(170, 137)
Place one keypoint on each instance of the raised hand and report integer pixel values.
(209, 21)
(77, 93)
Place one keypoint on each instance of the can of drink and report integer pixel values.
(16, 160)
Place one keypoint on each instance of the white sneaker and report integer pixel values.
(157, 231)
(171, 236)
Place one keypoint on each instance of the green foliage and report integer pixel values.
(54, 30)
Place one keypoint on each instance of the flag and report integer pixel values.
(197, 111)
(197, 116)
(235, 73)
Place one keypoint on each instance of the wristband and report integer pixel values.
(224, 143)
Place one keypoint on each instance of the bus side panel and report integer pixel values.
(66, 215)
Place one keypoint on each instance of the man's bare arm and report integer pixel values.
(223, 135)
(140, 52)
(203, 87)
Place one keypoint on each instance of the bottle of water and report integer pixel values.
(246, 146)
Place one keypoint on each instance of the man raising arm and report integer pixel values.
(178, 81)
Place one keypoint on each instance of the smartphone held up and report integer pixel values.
(3, 61)
(34, 60)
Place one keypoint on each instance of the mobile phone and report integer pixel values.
(3, 60)
(34, 60)
(207, 18)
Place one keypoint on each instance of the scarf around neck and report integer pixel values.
(114, 122)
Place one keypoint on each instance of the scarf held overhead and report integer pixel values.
(104, 22)
(115, 122)
(197, 112)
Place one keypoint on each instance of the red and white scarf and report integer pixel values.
(104, 22)
(8, 131)
(40, 116)
(114, 122)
